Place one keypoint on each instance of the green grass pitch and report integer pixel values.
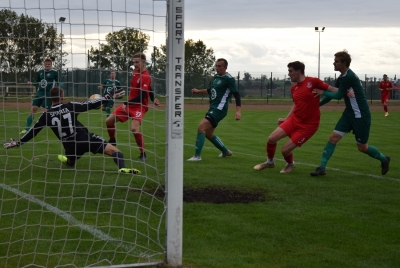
(348, 218)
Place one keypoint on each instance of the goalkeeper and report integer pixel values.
(107, 86)
(75, 137)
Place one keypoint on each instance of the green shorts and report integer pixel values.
(108, 104)
(215, 116)
(40, 100)
(359, 126)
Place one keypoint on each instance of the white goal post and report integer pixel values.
(90, 215)
(174, 158)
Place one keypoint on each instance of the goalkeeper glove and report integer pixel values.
(11, 144)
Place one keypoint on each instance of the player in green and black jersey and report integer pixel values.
(107, 86)
(44, 81)
(220, 93)
(356, 116)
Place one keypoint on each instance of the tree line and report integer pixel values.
(26, 41)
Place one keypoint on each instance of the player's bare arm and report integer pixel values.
(238, 114)
(350, 93)
(318, 92)
(199, 91)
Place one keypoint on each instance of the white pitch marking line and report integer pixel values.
(69, 218)
(327, 168)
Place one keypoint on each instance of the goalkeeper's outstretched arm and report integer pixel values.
(30, 134)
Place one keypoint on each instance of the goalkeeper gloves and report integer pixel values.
(11, 144)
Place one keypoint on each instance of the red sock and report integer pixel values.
(111, 131)
(289, 158)
(271, 148)
(385, 108)
(139, 141)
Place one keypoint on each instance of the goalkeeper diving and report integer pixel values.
(75, 137)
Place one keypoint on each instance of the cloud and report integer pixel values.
(222, 14)
(268, 50)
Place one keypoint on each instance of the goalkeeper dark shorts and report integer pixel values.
(75, 148)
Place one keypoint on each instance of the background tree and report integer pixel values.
(25, 42)
(118, 50)
(199, 64)
(247, 79)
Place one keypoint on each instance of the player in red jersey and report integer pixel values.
(137, 104)
(302, 121)
(385, 86)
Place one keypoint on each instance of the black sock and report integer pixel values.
(119, 159)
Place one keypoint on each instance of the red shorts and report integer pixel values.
(385, 97)
(135, 112)
(299, 134)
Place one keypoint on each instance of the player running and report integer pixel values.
(222, 89)
(107, 86)
(45, 80)
(302, 121)
(136, 106)
(75, 137)
(385, 86)
(356, 116)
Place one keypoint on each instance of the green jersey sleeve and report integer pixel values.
(232, 85)
(324, 100)
(334, 95)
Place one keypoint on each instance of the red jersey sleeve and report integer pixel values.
(146, 82)
(320, 84)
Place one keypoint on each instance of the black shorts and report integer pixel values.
(77, 147)
(214, 116)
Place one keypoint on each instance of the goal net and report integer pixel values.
(90, 215)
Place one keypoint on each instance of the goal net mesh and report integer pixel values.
(52, 215)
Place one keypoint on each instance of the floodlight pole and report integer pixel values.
(319, 45)
(61, 20)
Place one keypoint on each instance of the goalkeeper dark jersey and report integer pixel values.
(63, 121)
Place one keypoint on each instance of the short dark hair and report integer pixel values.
(297, 66)
(224, 60)
(48, 59)
(344, 56)
(56, 93)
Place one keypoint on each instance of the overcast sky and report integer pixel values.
(257, 36)
(262, 36)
